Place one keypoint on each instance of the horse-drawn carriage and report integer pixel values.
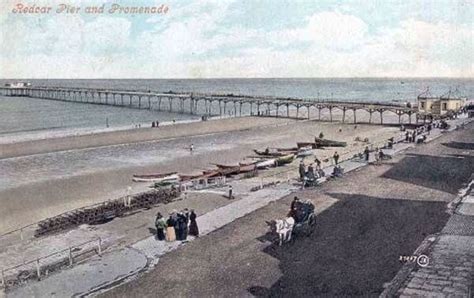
(300, 221)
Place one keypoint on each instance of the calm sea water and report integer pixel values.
(29, 116)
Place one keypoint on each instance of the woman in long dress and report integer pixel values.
(193, 227)
(160, 224)
(170, 233)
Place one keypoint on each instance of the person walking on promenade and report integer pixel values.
(336, 158)
(407, 136)
(170, 230)
(230, 192)
(318, 163)
(193, 227)
(310, 174)
(413, 136)
(302, 170)
(366, 153)
(160, 225)
(377, 155)
(180, 222)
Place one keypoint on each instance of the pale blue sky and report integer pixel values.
(247, 38)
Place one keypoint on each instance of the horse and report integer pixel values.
(282, 227)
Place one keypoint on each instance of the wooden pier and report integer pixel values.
(211, 104)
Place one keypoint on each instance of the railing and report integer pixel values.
(45, 265)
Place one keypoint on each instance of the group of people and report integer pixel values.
(300, 210)
(155, 123)
(313, 172)
(177, 227)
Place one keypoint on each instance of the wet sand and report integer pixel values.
(26, 201)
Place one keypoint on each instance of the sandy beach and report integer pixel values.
(67, 173)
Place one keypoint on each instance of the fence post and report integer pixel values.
(38, 270)
(100, 246)
(70, 256)
(3, 279)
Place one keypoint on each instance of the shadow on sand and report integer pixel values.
(355, 248)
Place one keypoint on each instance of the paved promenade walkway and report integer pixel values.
(450, 271)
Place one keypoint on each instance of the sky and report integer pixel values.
(240, 38)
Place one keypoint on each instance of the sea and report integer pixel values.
(23, 118)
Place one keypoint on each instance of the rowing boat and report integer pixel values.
(266, 164)
(221, 166)
(156, 177)
(248, 168)
(306, 144)
(328, 143)
(285, 159)
(268, 153)
(304, 152)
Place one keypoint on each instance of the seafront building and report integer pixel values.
(439, 106)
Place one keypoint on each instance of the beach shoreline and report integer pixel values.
(65, 180)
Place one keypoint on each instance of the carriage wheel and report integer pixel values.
(311, 224)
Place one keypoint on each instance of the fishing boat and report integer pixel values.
(248, 168)
(291, 149)
(156, 177)
(268, 153)
(229, 171)
(305, 151)
(266, 164)
(221, 166)
(285, 159)
(184, 177)
(328, 143)
(306, 144)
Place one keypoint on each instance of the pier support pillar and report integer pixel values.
(409, 117)
(355, 116)
(308, 112)
(381, 116)
(297, 111)
(343, 114)
(287, 110)
(330, 114)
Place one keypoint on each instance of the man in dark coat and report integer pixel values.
(302, 170)
(336, 157)
(366, 153)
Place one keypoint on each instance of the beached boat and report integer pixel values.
(248, 168)
(306, 144)
(184, 177)
(156, 177)
(229, 171)
(305, 151)
(268, 153)
(285, 159)
(221, 166)
(328, 143)
(266, 164)
(292, 149)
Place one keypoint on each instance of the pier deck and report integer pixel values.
(210, 104)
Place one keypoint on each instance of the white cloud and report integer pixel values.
(191, 42)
